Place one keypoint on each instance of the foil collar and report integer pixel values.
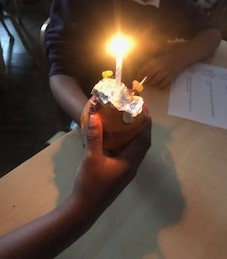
(119, 96)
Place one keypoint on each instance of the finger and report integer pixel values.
(158, 79)
(138, 147)
(165, 83)
(151, 75)
(94, 137)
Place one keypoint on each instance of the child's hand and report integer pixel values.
(161, 71)
(100, 178)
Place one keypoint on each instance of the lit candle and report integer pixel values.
(118, 73)
(119, 46)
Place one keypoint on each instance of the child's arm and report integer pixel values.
(98, 181)
(163, 69)
(69, 95)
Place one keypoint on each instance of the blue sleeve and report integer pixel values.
(185, 18)
(60, 39)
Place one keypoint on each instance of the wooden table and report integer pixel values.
(175, 208)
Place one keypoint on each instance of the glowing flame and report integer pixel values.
(120, 45)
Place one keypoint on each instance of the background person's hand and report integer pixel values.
(100, 178)
(161, 70)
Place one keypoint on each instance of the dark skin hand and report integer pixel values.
(98, 181)
(121, 168)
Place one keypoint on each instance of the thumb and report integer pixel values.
(94, 138)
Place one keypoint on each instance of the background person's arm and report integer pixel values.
(184, 20)
(198, 48)
(69, 95)
(65, 51)
(163, 69)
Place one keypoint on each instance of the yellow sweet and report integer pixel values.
(107, 73)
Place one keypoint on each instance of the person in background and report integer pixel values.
(50, 234)
(206, 4)
(170, 35)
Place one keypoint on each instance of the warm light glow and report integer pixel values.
(120, 45)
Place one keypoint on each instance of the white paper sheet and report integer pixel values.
(199, 93)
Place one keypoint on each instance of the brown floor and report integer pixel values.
(29, 115)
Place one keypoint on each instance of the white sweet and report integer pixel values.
(119, 96)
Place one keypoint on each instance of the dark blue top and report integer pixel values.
(79, 29)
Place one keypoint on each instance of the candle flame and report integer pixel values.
(120, 45)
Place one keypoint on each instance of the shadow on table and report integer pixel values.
(130, 227)
(163, 203)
